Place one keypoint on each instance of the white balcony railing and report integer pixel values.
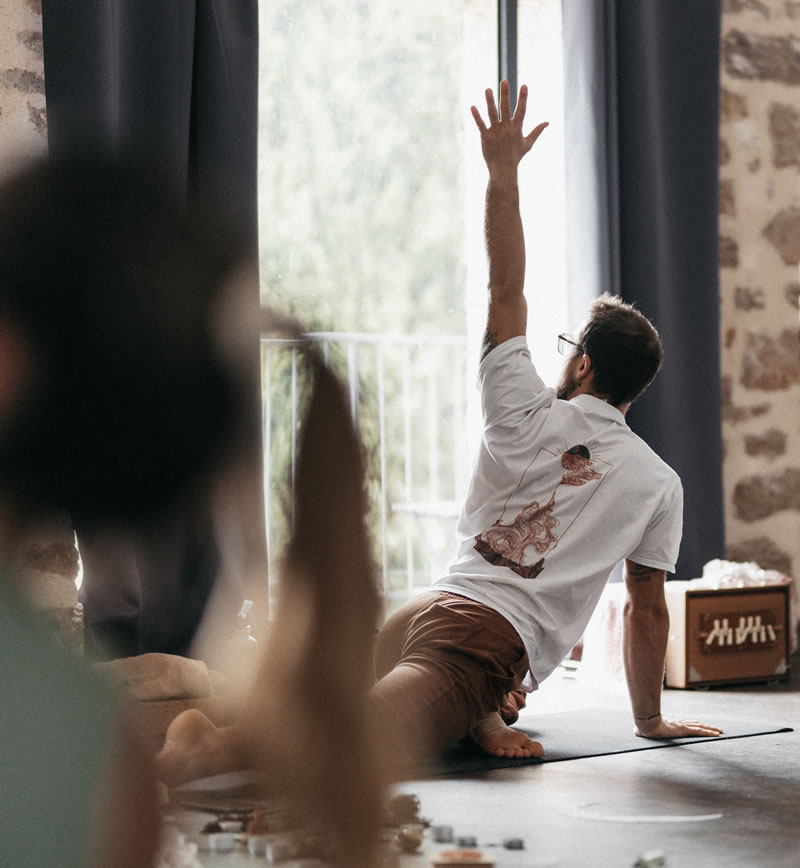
(408, 398)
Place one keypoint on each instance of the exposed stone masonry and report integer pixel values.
(43, 569)
(738, 413)
(769, 361)
(23, 125)
(759, 284)
(763, 551)
(728, 251)
(757, 497)
(46, 560)
(749, 298)
(765, 58)
(770, 444)
(784, 127)
(783, 231)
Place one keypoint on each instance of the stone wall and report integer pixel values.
(45, 563)
(23, 119)
(759, 255)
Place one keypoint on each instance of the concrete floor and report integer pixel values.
(722, 805)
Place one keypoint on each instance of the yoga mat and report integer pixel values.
(580, 734)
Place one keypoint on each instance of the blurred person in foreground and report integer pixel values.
(116, 392)
(121, 385)
(304, 721)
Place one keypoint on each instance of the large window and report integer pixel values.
(371, 189)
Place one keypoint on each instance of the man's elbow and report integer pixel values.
(507, 292)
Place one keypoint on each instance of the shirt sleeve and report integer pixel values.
(661, 540)
(509, 384)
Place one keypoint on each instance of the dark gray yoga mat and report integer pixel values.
(579, 734)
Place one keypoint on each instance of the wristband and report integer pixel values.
(657, 714)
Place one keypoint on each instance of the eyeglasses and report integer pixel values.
(564, 344)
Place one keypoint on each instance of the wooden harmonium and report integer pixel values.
(727, 635)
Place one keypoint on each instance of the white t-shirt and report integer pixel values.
(561, 491)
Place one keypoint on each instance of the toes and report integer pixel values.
(519, 751)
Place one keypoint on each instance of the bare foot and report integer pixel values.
(497, 739)
(195, 748)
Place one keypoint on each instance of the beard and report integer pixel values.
(568, 384)
(566, 388)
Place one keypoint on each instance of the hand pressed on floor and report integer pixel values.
(659, 727)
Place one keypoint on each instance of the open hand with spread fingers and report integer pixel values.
(502, 141)
(660, 727)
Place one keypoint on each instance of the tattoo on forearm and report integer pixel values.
(489, 343)
(639, 573)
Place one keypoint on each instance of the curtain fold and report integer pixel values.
(645, 167)
(172, 84)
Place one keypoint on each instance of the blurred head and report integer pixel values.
(116, 393)
(624, 349)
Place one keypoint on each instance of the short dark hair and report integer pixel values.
(113, 282)
(624, 347)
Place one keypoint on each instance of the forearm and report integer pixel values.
(645, 636)
(505, 240)
(644, 648)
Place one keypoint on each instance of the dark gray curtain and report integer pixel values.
(172, 84)
(642, 134)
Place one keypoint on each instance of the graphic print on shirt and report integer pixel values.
(517, 543)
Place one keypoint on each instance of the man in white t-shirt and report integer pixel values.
(561, 491)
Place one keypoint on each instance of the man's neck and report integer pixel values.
(581, 390)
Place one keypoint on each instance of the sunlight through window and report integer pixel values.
(371, 187)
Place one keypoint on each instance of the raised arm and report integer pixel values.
(645, 633)
(504, 145)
